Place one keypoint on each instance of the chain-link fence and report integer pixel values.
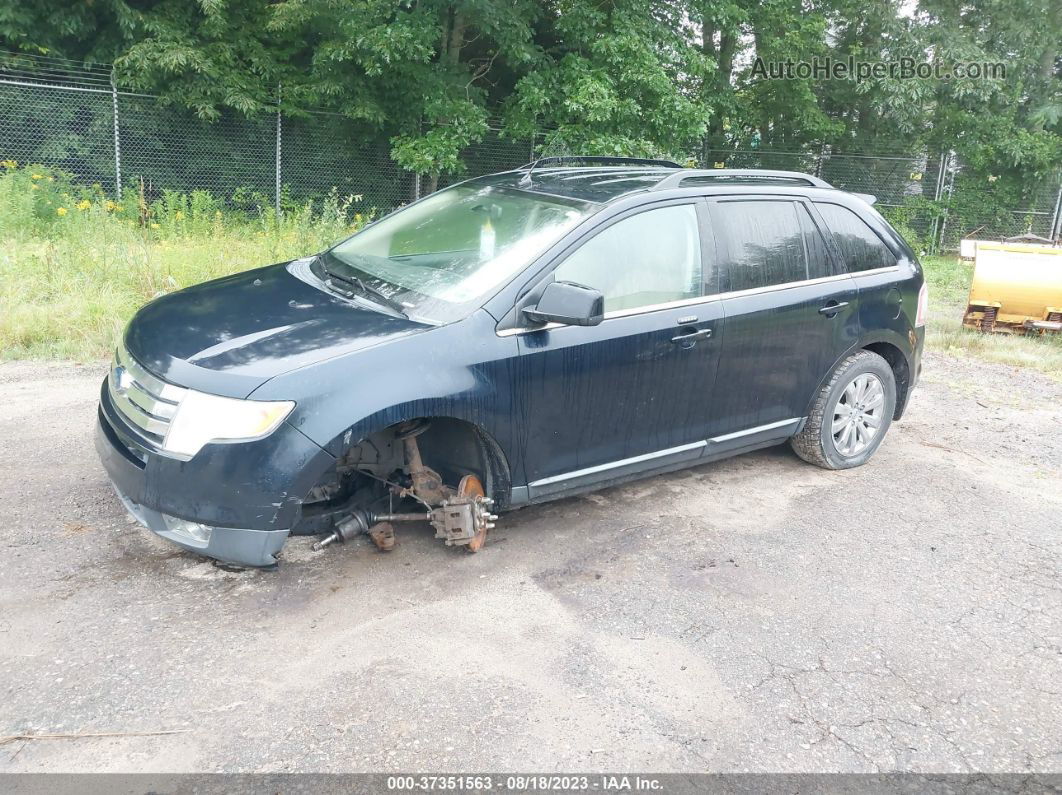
(72, 116)
(930, 195)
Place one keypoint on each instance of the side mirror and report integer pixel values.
(568, 303)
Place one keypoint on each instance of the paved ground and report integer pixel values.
(758, 614)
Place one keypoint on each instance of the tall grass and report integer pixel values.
(75, 264)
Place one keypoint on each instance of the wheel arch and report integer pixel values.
(889, 346)
(452, 444)
(901, 371)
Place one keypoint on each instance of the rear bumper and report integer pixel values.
(249, 494)
(915, 366)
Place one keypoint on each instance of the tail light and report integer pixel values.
(923, 305)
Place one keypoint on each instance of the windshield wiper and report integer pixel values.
(356, 281)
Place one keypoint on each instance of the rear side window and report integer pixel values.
(861, 248)
(764, 243)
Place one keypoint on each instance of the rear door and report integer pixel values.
(790, 311)
(873, 265)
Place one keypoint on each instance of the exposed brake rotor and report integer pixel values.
(471, 488)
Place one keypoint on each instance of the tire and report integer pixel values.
(861, 390)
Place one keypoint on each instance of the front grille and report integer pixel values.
(147, 403)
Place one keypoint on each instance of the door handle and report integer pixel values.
(693, 336)
(832, 308)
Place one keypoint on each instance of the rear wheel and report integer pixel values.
(851, 414)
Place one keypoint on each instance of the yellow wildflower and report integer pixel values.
(110, 206)
(35, 186)
(84, 204)
(61, 211)
(36, 176)
(178, 216)
(154, 226)
(9, 164)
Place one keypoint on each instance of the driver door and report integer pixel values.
(632, 394)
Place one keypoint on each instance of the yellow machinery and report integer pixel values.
(1017, 288)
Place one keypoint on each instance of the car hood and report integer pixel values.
(230, 336)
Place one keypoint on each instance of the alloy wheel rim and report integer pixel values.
(858, 415)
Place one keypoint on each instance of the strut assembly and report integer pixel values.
(461, 516)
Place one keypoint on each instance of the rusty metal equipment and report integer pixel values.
(1016, 288)
(466, 516)
(461, 516)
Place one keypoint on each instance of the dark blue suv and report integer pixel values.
(510, 340)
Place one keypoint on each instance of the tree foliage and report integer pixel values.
(637, 77)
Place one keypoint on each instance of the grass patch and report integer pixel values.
(75, 265)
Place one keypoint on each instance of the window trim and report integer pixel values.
(837, 262)
(707, 299)
(710, 253)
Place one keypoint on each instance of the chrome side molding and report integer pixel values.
(729, 437)
(623, 462)
(683, 452)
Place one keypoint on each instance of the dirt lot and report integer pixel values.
(757, 614)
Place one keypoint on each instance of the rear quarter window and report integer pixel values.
(860, 247)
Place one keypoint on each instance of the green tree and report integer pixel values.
(635, 77)
(615, 77)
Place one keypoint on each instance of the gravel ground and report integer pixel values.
(756, 614)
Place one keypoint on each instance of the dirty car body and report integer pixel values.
(510, 340)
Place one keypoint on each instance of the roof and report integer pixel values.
(599, 184)
(603, 184)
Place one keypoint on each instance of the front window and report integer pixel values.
(438, 258)
(650, 258)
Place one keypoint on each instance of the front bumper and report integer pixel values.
(248, 493)
(228, 544)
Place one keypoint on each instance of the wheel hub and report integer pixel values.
(858, 415)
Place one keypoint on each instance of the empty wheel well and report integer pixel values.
(901, 371)
(455, 448)
(451, 447)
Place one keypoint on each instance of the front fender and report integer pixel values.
(461, 371)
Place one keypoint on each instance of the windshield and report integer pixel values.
(438, 257)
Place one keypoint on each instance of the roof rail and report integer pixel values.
(574, 161)
(598, 160)
(739, 175)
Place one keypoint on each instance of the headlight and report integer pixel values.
(203, 418)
